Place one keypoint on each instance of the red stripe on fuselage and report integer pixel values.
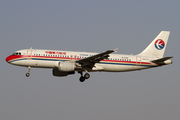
(132, 62)
(12, 57)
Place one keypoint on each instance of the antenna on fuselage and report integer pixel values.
(115, 50)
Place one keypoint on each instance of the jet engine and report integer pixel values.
(65, 66)
(58, 73)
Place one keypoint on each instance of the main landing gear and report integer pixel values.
(28, 73)
(82, 78)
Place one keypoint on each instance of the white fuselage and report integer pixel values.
(48, 59)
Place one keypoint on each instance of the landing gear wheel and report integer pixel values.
(86, 76)
(27, 74)
(82, 79)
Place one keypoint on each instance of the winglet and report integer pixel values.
(115, 50)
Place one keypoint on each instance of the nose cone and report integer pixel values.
(9, 58)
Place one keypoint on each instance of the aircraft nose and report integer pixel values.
(8, 59)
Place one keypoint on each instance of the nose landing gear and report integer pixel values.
(28, 73)
(82, 78)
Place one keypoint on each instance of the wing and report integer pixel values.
(90, 61)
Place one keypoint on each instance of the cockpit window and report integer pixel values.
(17, 53)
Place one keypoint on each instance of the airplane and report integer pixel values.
(64, 63)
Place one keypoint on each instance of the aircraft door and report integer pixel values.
(29, 54)
(71, 57)
(138, 60)
(75, 57)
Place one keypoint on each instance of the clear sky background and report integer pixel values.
(93, 26)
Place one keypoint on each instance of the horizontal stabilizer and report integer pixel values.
(161, 60)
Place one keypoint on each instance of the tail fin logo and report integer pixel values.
(159, 44)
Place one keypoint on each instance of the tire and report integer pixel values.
(27, 74)
(82, 79)
(86, 76)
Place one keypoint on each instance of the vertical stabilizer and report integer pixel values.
(157, 47)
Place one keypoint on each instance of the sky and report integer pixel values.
(93, 26)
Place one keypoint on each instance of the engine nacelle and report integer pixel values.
(58, 73)
(65, 66)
